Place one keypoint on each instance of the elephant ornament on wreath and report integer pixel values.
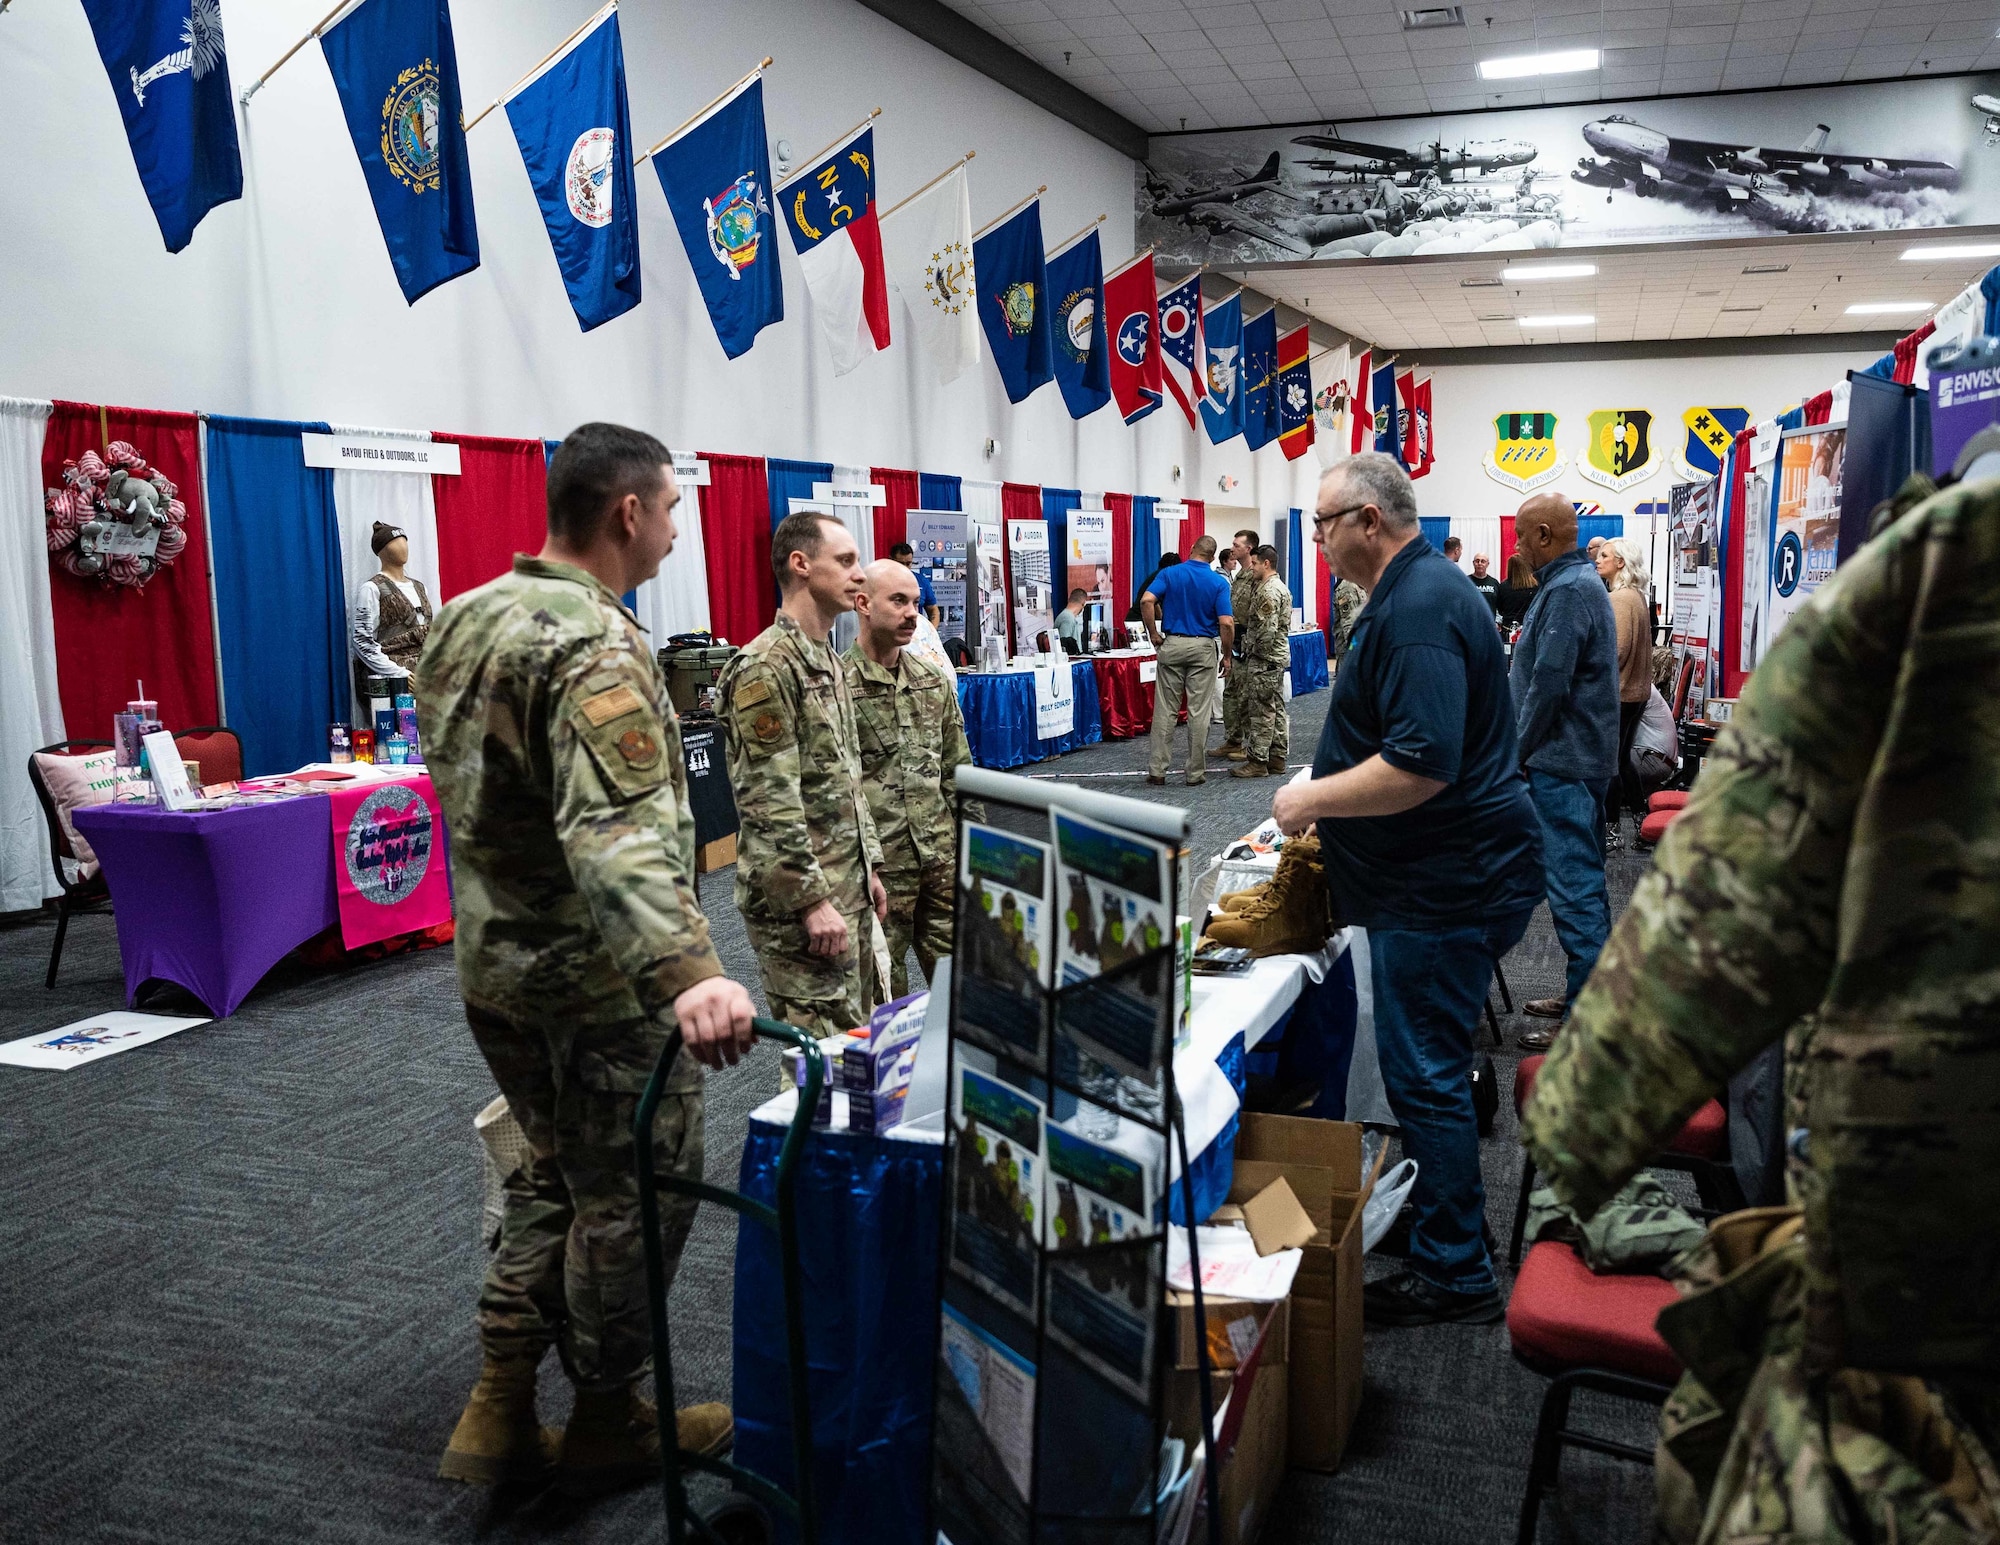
(115, 519)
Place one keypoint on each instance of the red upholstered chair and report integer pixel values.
(218, 749)
(91, 889)
(1583, 1331)
(1668, 799)
(1700, 1149)
(1653, 826)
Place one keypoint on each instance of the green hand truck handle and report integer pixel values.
(783, 1219)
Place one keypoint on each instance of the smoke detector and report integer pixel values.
(992, 449)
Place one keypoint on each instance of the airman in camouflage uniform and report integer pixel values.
(1348, 599)
(557, 762)
(912, 742)
(1242, 588)
(1835, 880)
(806, 835)
(1266, 631)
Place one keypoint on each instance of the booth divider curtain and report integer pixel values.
(981, 501)
(903, 493)
(1120, 506)
(280, 602)
(1056, 505)
(1735, 469)
(496, 507)
(859, 519)
(1819, 407)
(789, 480)
(1295, 562)
(1588, 526)
(1145, 544)
(736, 539)
(30, 704)
(109, 636)
(1435, 529)
(938, 491)
(675, 600)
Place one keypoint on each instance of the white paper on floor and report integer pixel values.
(102, 1035)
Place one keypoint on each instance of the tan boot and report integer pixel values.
(497, 1438)
(1236, 901)
(1292, 916)
(1234, 753)
(613, 1439)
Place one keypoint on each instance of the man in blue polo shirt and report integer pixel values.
(1431, 844)
(1198, 631)
(927, 601)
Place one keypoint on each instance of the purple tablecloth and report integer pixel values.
(212, 899)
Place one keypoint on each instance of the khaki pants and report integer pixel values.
(1186, 665)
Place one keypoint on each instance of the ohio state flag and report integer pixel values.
(1183, 359)
(829, 208)
(1132, 316)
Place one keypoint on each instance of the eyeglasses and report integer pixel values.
(1327, 520)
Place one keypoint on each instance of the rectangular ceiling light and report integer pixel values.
(1779, 268)
(1515, 66)
(1886, 308)
(1548, 271)
(1582, 319)
(1946, 251)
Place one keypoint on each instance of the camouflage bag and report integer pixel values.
(1641, 1229)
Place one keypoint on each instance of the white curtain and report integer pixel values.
(30, 711)
(675, 600)
(400, 499)
(1480, 534)
(859, 519)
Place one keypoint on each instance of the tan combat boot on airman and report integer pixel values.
(613, 1439)
(498, 1439)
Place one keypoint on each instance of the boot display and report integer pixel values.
(1289, 914)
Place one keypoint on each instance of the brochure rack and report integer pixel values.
(1067, 992)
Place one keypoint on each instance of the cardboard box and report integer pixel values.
(719, 854)
(1254, 1437)
(1321, 1161)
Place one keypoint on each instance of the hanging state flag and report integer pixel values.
(1013, 290)
(575, 133)
(1222, 342)
(1183, 360)
(1260, 380)
(1294, 394)
(396, 72)
(1360, 416)
(830, 210)
(1076, 283)
(171, 78)
(1382, 404)
(716, 174)
(1426, 445)
(1132, 314)
(1406, 419)
(1331, 392)
(927, 250)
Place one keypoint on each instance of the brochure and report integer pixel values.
(1098, 1193)
(1005, 940)
(1115, 900)
(1104, 1307)
(996, 1207)
(996, 1385)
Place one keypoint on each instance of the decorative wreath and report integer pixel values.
(115, 519)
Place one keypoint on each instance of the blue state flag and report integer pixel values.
(1013, 283)
(1388, 425)
(1222, 337)
(1083, 365)
(396, 72)
(171, 78)
(575, 135)
(717, 178)
(1260, 380)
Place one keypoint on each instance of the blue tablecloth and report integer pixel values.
(1308, 663)
(999, 712)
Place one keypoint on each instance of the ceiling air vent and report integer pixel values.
(1768, 268)
(1498, 316)
(1727, 309)
(1479, 284)
(1431, 17)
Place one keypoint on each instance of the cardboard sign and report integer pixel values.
(87, 1040)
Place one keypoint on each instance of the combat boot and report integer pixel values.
(1292, 916)
(497, 1438)
(613, 1439)
(1236, 901)
(1251, 767)
(1232, 752)
(1278, 766)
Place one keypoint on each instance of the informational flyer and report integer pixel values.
(1102, 1307)
(1055, 699)
(1034, 587)
(1005, 879)
(938, 539)
(1113, 895)
(996, 1211)
(998, 1387)
(88, 1040)
(1100, 1192)
(1805, 529)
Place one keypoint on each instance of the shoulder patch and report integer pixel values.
(638, 748)
(752, 693)
(614, 704)
(767, 726)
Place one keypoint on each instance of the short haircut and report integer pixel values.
(1268, 553)
(1379, 479)
(1453, 545)
(1251, 537)
(1079, 595)
(803, 532)
(1203, 549)
(901, 551)
(596, 466)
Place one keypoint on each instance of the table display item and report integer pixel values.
(398, 749)
(339, 743)
(168, 772)
(364, 745)
(406, 726)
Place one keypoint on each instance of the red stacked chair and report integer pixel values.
(1661, 812)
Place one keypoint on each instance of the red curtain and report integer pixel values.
(1506, 543)
(108, 637)
(1018, 501)
(1733, 674)
(1195, 527)
(1323, 595)
(1906, 352)
(1120, 506)
(736, 536)
(892, 520)
(1819, 409)
(497, 506)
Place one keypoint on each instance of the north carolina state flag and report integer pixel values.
(829, 208)
(1132, 314)
(1360, 412)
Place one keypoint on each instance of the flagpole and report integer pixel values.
(884, 214)
(1013, 210)
(511, 90)
(1077, 236)
(838, 139)
(323, 23)
(720, 96)
(1146, 252)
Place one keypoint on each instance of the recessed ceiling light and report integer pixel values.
(1548, 271)
(1563, 62)
(1581, 319)
(1778, 268)
(1727, 309)
(1944, 252)
(1883, 308)
(1479, 284)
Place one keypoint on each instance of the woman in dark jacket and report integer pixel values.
(1517, 592)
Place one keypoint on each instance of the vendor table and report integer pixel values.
(999, 712)
(1308, 662)
(1125, 701)
(212, 899)
(868, 1223)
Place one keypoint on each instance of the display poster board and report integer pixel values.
(939, 538)
(1055, 699)
(984, 563)
(1693, 589)
(1034, 587)
(1805, 523)
(1963, 402)
(1090, 568)
(1759, 488)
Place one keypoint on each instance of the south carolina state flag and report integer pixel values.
(830, 210)
(1183, 360)
(1132, 315)
(575, 134)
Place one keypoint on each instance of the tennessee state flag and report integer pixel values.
(1295, 415)
(1360, 417)
(829, 208)
(1132, 315)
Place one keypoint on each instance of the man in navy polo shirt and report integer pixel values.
(1430, 843)
(1194, 601)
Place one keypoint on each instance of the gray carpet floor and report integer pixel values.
(239, 1267)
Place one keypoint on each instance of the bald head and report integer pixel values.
(1545, 528)
(887, 608)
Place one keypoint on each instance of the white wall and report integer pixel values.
(1467, 398)
(285, 304)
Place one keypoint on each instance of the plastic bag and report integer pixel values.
(1656, 750)
(1391, 1191)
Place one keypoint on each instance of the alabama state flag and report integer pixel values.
(829, 208)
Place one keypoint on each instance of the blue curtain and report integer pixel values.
(1606, 526)
(938, 491)
(1884, 369)
(1056, 505)
(1436, 528)
(1295, 556)
(280, 606)
(791, 480)
(1145, 542)
(1989, 287)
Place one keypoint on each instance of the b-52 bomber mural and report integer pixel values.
(1359, 159)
